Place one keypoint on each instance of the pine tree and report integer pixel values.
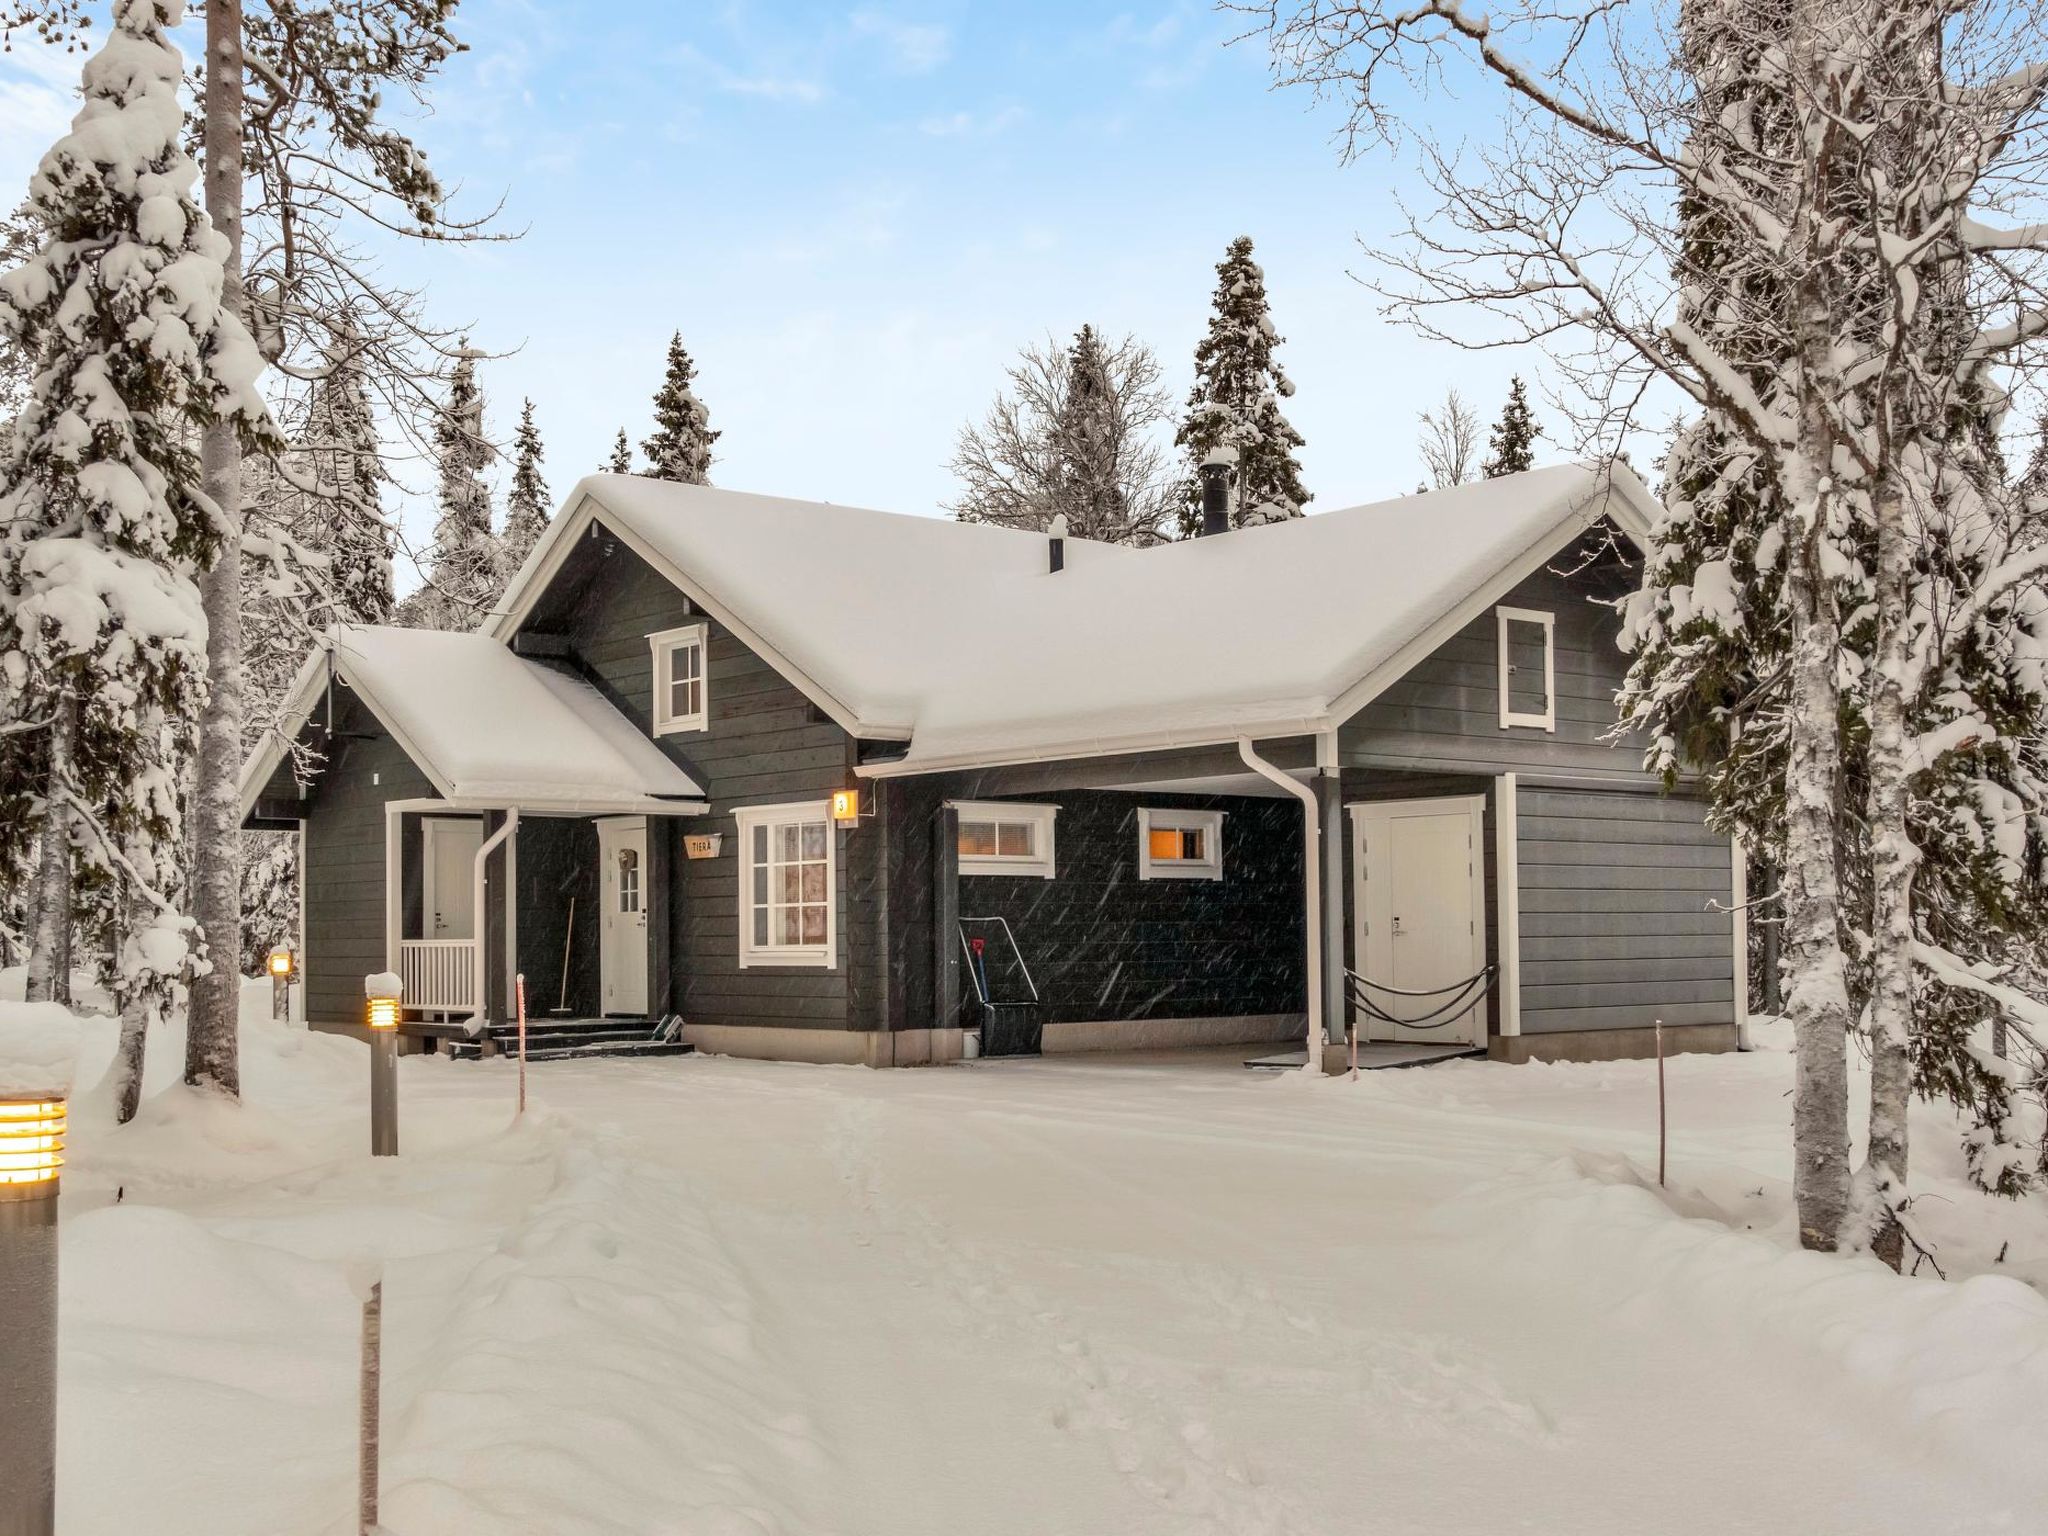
(461, 579)
(526, 508)
(102, 637)
(680, 448)
(1236, 401)
(342, 452)
(1512, 443)
(621, 461)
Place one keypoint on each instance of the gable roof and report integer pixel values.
(956, 638)
(489, 728)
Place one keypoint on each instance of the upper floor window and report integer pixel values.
(1528, 668)
(680, 698)
(998, 838)
(1180, 845)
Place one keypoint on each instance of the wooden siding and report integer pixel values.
(1103, 944)
(1616, 927)
(1444, 716)
(765, 744)
(344, 893)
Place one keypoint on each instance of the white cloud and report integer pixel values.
(914, 48)
(956, 125)
(38, 95)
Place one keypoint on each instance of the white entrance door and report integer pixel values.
(622, 946)
(1420, 914)
(448, 876)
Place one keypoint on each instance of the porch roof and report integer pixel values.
(489, 728)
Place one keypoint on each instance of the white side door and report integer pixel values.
(448, 876)
(622, 930)
(1420, 916)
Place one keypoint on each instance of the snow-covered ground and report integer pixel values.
(703, 1296)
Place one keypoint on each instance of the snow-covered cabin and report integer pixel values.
(842, 785)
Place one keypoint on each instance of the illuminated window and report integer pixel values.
(788, 905)
(1528, 668)
(680, 701)
(1180, 845)
(1002, 839)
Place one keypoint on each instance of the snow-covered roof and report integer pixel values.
(488, 727)
(956, 638)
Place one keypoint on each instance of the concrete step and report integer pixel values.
(565, 1050)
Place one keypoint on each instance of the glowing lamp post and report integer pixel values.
(280, 982)
(31, 1152)
(383, 992)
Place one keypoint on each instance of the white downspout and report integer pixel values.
(483, 927)
(1312, 874)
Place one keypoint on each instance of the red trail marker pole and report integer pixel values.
(519, 991)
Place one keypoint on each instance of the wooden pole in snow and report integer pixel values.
(1660, 1104)
(519, 991)
(371, 1411)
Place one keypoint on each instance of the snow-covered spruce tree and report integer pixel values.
(461, 578)
(1511, 446)
(526, 506)
(680, 448)
(621, 461)
(1076, 435)
(1874, 173)
(106, 522)
(1235, 403)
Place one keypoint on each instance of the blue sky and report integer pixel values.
(855, 214)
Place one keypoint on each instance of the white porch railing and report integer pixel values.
(439, 974)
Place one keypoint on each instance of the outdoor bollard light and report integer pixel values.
(31, 1152)
(383, 992)
(280, 982)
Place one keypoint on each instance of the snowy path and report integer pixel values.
(720, 1297)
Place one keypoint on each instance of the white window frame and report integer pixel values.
(1040, 863)
(823, 956)
(664, 646)
(1510, 717)
(1208, 823)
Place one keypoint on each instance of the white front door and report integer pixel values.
(622, 941)
(1420, 915)
(448, 876)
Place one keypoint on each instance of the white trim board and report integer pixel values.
(1507, 877)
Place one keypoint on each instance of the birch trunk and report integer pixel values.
(1818, 1000)
(211, 1056)
(137, 1009)
(49, 947)
(1881, 1182)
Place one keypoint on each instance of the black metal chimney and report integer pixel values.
(1216, 492)
(1056, 543)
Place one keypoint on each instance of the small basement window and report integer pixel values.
(1180, 845)
(788, 895)
(997, 838)
(1528, 668)
(680, 698)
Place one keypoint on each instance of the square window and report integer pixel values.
(1180, 845)
(680, 696)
